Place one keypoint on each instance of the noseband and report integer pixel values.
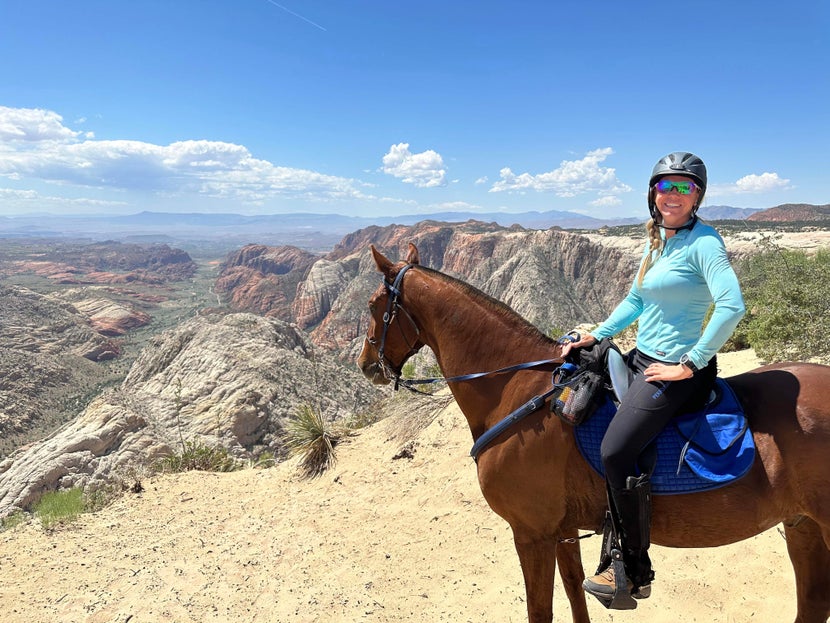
(390, 370)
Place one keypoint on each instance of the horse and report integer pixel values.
(533, 475)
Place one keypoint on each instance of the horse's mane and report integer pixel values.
(499, 308)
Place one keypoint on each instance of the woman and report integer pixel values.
(684, 270)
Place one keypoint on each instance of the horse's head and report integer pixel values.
(393, 335)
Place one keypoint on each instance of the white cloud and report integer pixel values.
(454, 206)
(482, 180)
(571, 178)
(608, 201)
(750, 184)
(763, 183)
(9, 194)
(32, 125)
(424, 170)
(35, 144)
(31, 199)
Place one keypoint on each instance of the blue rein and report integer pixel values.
(476, 375)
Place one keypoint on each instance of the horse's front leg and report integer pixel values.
(537, 556)
(569, 559)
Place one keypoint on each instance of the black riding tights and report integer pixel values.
(644, 411)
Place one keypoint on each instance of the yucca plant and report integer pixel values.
(311, 437)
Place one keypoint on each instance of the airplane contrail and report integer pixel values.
(305, 19)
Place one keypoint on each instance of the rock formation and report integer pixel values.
(555, 279)
(49, 361)
(264, 280)
(103, 262)
(106, 316)
(229, 380)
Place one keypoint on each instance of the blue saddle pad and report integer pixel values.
(696, 452)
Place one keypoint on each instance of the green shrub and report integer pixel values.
(787, 295)
(311, 437)
(363, 419)
(60, 506)
(264, 460)
(197, 456)
(12, 521)
(408, 370)
(434, 371)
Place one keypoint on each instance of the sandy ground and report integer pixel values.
(375, 539)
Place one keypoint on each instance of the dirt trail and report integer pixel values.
(375, 539)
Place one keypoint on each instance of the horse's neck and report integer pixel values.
(469, 335)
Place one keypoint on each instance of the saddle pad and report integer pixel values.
(699, 451)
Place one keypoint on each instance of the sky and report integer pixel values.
(371, 108)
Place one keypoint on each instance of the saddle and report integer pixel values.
(698, 451)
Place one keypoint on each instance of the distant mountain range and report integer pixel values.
(196, 224)
(727, 213)
(790, 212)
(322, 231)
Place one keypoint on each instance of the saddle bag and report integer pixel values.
(580, 385)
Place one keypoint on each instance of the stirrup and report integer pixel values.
(644, 592)
(622, 598)
(611, 556)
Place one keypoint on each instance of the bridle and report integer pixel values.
(391, 371)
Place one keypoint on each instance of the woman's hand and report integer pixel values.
(586, 340)
(667, 372)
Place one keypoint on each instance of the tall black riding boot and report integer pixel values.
(625, 568)
(633, 507)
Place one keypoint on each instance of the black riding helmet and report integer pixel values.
(677, 163)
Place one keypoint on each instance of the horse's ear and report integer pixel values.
(413, 257)
(383, 264)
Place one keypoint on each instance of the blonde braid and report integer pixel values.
(655, 247)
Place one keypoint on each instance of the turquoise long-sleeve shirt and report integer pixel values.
(692, 272)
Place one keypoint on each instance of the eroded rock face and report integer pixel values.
(32, 322)
(317, 294)
(553, 278)
(49, 359)
(109, 317)
(106, 262)
(264, 280)
(229, 380)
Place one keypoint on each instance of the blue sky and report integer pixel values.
(383, 108)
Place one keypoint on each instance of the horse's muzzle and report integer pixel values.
(370, 366)
(374, 373)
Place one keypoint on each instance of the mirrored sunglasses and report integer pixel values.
(686, 187)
